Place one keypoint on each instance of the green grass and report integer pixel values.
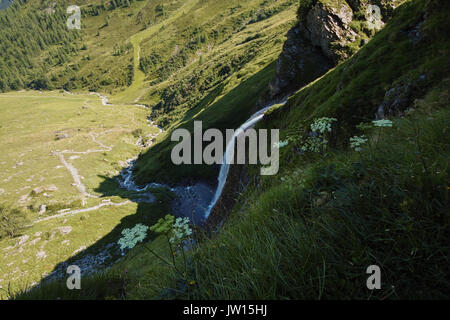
(311, 231)
(235, 108)
(28, 139)
(53, 121)
(195, 91)
(321, 225)
(136, 90)
(353, 90)
(195, 42)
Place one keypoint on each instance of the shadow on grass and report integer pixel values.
(234, 108)
(229, 112)
(105, 252)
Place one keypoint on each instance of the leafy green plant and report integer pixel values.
(357, 142)
(176, 231)
(12, 222)
(318, 139)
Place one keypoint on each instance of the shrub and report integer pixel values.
(12, 222)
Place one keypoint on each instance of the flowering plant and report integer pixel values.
(181, 230)
(356, 142)
(382, 123)
(133, 236)
(176, 232)
(322, 125)
(318, 138)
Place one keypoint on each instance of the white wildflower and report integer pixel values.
(281, 144)
(181, 230)
(356, 142)
(133, 236)
(382, 123)
(322, 125)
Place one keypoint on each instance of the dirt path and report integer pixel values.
(137, 88)
(73, 212)
(74, 172)
(77, 178)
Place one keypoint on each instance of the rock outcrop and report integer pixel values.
(322, 39)
(327, 25)
(399, 99)
(299, 64)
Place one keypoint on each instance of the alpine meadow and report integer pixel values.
(224, 150)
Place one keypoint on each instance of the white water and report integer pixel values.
(127, 182)
(229, 155)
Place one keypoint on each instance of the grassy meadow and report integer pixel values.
(309, 232)
(36, 129)
(65, 151)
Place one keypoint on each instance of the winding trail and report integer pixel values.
(74, 172)
(73, 212)
(77, 178)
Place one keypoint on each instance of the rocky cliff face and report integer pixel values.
(328, 33)
(299, 63)
(326, 26)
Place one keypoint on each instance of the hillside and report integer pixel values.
(332, 213)
(364, 150)
(89, 152)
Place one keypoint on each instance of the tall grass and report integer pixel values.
(387, 206)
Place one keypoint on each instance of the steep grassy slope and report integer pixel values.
(312, 230)
(106, 53)
(227, 76)
(234, 108)
(84, 144)
(197, 92)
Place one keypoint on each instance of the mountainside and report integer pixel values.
(363, 151)
(327, 33)
(208, 56)
(375, 194)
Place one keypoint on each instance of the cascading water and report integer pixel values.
(229, 155)
(127, 182)
(193, 198)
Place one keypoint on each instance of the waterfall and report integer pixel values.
(229, 155)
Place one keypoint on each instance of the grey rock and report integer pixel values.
(327, 25)
(42, 209)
